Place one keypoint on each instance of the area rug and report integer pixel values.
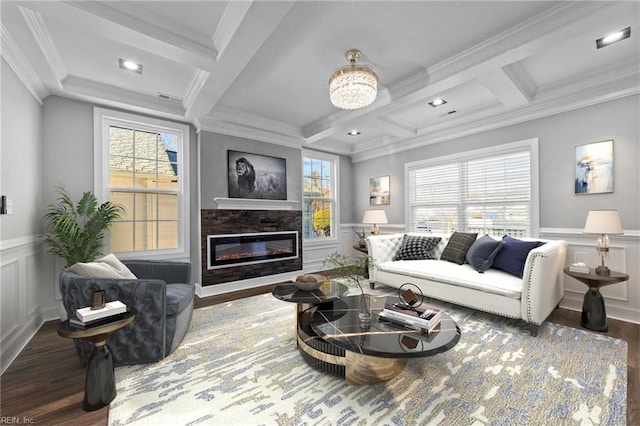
(238, 365)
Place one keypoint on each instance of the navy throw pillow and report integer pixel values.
(415, 247)
(513, 255)
(458, 246)
(482, 253)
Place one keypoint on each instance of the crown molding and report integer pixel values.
(252, 121)
(197, 83)
(582, 96)
(40, 32)
(211, 124)
(19, 64)
(103, 93)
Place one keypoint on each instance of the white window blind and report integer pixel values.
(489, 193)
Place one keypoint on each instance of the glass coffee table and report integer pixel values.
(336, 343)
(306, 299)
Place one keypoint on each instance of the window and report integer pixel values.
(141, 164)
(319, 182)
(491, 191)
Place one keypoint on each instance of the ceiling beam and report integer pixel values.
(508, 91)
(255, 27)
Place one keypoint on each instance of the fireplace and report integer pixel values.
(228, 250)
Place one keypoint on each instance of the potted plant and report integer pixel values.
(75, 232)
(353, 269)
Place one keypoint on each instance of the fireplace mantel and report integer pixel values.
(254, 204)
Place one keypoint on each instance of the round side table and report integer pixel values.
(594, 314)
(100, 382)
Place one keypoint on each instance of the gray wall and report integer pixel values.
(558, 135)
(347, 191)
(26, 300)
(213, 165)
(68, 155)
(21, 157)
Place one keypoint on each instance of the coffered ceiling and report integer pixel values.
(259, 69)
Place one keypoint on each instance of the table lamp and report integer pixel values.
(603, 222)
(374, 217)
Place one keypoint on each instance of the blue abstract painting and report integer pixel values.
(594, 168)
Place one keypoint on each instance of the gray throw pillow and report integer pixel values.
(458, 246)
(416, 247)
(482, 252)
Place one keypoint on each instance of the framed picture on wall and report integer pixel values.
(594, 168)
(379, 191)
(256, 176)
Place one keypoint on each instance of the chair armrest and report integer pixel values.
(141, 341)
(169, 271)
(543, 281)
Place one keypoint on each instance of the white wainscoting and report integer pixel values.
(622, 300)
(27, 297)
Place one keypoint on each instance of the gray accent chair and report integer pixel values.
(162, 297)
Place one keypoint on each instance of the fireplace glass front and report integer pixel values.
(246, 249)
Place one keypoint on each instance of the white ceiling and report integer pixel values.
(259, 69)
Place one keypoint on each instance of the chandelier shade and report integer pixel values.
(353, 86)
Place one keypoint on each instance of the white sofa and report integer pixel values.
(530, 298)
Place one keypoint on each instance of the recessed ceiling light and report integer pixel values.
(613, 37)
(130, 66)
(354, 132)
(437, 102)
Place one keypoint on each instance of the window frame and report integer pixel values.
(335, 217)
(102, 120)
(530, 145)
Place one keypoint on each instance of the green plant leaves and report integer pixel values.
(76, 232)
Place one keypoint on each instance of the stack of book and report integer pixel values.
(425, 318)
(87, 317)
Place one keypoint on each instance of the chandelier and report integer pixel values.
(353, 86)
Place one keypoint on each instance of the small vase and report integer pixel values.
(365, 312)
(362, 242)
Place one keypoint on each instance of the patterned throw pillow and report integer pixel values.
(458, 246)
(416, 247)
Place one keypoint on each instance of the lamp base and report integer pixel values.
(603, 270)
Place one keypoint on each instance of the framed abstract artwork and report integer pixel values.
(256, 176)
(594, 168)
(379, 191)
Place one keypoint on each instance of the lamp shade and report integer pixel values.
(603, 222)
(374, 216)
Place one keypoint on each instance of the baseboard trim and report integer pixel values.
(614, 312)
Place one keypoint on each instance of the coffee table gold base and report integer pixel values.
(359, 369)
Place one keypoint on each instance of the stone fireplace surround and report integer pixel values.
(232, 221)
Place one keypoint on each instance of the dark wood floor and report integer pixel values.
(45, 384)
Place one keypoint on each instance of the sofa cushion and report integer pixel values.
(482, 252)
(492, 281)
(416, 247)
(178, 297)
(513, 255)
(457, 247)
(106, 267)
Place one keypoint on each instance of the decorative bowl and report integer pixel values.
(309, 281)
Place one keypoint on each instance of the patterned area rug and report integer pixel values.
(238, 366)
